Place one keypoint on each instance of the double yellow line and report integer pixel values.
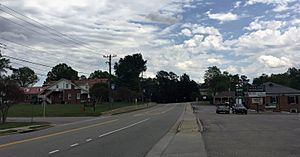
(54, 134)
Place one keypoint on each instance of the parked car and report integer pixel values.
(223, 108)
(239, 108)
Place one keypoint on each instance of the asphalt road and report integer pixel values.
(125, 135)
(252, 135)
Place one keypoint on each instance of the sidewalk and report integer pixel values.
(183, 140)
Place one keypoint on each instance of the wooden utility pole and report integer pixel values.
(109, 77)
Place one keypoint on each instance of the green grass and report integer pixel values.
(9, 125)
(61, 110)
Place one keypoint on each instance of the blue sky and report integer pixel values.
(248, 37)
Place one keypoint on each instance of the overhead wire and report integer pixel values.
(59, 34)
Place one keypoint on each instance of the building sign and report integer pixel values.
(256, 89)
(256, 94)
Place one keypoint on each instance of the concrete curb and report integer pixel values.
(24, 129)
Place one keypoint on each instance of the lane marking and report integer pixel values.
(86, 120)
(88, 140)
(54, 151)
(73, 145)
(55, 134)
(123, 128)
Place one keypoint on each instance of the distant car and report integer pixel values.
(223, 108)
(239, 108)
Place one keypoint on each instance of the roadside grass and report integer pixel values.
(9, 125)
(61, 110)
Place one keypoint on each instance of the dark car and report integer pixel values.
(239, 108)
(223, 108)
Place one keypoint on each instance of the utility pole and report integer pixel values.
(109, 77)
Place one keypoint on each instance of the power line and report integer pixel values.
(45, 26)
(35, 63)
(40, 74)
(59, 34)
(23, 60)
(10, 49)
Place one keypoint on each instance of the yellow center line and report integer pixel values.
(54, 134)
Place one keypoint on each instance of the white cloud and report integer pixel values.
(223, 17)
(214, 61)
(274, 62)
(237, 4)
(280, 5)
(259, 25)
(186, 32)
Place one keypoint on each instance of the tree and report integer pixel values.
(4, 64)
(99, 74)
(82, 77)
(99, 91)
(128, 71)
(215, 80)
(25, 77)
(10, 93)
(62, 71)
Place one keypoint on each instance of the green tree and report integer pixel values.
(215, 80)
(62, 71)
(25, 77)
(10, 93)
(99, 91)
(99, 74)
(128, 70)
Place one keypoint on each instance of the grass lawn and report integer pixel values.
(8, 125)
(61, 110)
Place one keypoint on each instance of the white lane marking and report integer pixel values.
(82, 121)
(126, 127)
(88, 140)
(73, 145)
(54, 151)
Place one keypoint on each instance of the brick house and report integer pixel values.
(67, 91)
(31, 94)
(274, 97)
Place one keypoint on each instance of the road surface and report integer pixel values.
(125, 135)
(252, 135)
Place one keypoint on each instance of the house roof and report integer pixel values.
(89, 82)
(32, 90)
(274, 88)
(225, 94)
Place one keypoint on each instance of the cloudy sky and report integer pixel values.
(248, 37)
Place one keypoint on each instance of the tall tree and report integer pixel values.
(99, 74)
(128, 70)
(25, 77)
(99, 91)
(214, 80)
(10, 93)
(62, 71)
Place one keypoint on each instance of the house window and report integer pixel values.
(69, 96)
(274, 99)
(67, 86)
(292, 99)
(78, 96)
(57, 86)
(257, 100)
